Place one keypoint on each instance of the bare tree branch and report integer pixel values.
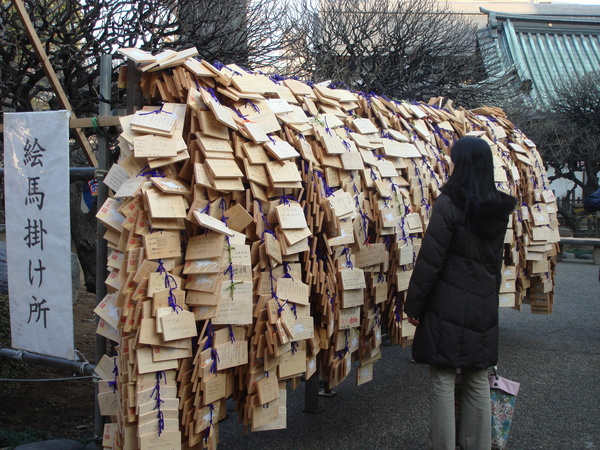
(406, 49)
(568, 135)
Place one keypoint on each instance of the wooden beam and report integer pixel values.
(87, 122)
(52, 78)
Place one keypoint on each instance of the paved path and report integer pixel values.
(555, 358)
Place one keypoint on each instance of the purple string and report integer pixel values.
(156, 111)
(168, 279)
(377, 316)
(115, 370)
(223, 205)
(363, 215)
(294, 347)
(150, 172)
(210, 335)
(373, 174)
(206, 209)
(212, 93)
(276, 78)
(398, 308)
(327, 129)
(425, 203)
(428, 166)
(542, 174)
(534, 181)
(346, 337)
(266, 222)
(243, 117)
(231, 334)
(254, 106)
(438, 131)
(418, 174)
(346, 252)
(367, 97)
(387, 99)
(387, 241)
(327, 189)
(161, 420)
(286, 269)
(229, 271)
(211, 424)
(294, 309)
(285, 200)
(338, 85)
(235, 72)
(365, 221)
(332, 301)
(519, 216)
(281, 307)
(273, 294)
(271, 232)
(215, 357)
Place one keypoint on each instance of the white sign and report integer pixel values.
(38, 233)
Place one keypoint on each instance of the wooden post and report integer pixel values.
(101, 247)
(52, 78)
(134, 92)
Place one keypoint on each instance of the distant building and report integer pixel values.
(536, 45)
(541, 48)
(473, 9)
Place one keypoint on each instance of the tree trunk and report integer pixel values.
(570, 219)
(83, 234)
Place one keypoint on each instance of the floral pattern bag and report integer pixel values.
(503, 393)
(504, 396)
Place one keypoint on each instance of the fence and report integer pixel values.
(575, 220)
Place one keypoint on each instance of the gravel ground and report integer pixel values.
(556, 359)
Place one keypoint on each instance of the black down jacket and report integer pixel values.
(454, 287)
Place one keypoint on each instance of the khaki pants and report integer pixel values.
(475, 414)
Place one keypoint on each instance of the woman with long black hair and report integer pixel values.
(453, 295)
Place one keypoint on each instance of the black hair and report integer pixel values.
(473, 173)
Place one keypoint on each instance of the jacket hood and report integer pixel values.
(491, 218)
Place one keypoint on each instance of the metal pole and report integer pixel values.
(101, 248)
(83, 368)
(134, 92)
(311, 394)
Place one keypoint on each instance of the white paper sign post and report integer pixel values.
(38, 233)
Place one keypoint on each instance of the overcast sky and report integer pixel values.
(578, 2)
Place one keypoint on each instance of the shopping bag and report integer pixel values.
(503, 393)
